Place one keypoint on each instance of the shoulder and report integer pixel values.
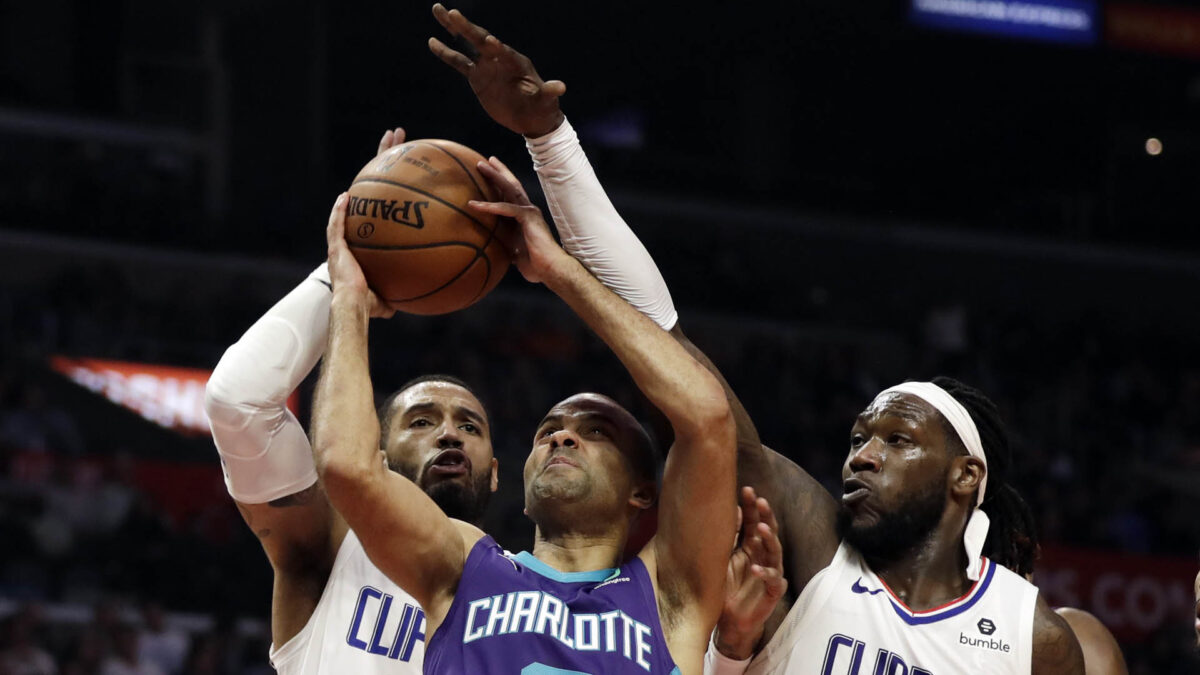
(470, 535)
(1055, 648)
(1100, 649)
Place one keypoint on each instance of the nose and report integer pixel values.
(564, 438)
(449, 438)
(866, 458)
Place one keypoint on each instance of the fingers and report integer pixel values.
(455, 59)
(505, 209)
(458, 24)
(391, 138)
(335, 232)
(504, 181)
(750, 514)
(773, 582)
(385, 142)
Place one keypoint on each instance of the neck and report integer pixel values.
(930, 573)
(575, 552)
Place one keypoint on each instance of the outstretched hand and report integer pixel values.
(345, 274)
(503, 79)
(754, 580)
(533, 249)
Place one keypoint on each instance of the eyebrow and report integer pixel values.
(907, 415)
(429, 406)
(587, 417)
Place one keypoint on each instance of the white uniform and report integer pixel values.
(363, 624)
(847, 622)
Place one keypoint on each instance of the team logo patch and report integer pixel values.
(986, 626)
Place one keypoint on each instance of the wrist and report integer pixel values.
(736, 643)
(546, 128)
(561, 270)
(350, 298)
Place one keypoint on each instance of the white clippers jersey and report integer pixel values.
(848, 622)
(363, 624)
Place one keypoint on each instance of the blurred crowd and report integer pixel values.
(1106, 455)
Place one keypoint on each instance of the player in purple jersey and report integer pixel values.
(569, 606)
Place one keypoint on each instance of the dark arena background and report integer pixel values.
(841, 195)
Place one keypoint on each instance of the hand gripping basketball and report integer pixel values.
(534, 250)
(345, 275)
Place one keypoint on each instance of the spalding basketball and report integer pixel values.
(421, 248)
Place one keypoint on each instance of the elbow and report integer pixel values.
(342, 472)
(711, 415)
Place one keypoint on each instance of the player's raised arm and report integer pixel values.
(698, 481)
(265, 453)
(402, 530)
(513, 93)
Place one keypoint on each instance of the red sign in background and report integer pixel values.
(1134, 595)
(169, 396)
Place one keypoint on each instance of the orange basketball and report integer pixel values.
(421, 248)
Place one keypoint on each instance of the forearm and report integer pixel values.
(592, 230)
(345, 429)
(265, 450)
(674, 382)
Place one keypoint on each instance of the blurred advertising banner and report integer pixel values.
(169, 396)
(1134, 595)
(1066, 21)
(1165, 30)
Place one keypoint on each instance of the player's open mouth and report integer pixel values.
(450, 463)
(855, 491)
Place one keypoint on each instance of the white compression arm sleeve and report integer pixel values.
(716, 663)
(592, 230)
(265, 453)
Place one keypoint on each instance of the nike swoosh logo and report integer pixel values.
(857, 587)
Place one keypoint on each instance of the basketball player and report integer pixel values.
(922, 598)
(568, 606)
(332, 611)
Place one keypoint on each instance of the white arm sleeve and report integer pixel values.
(592, 230)
(716, 663)
(265, 453)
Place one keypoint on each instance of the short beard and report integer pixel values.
(466, 502)
(898, 531)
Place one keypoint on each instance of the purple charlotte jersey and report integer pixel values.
(514, 614)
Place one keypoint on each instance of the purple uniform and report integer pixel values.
(514, 614)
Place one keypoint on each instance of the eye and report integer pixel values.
(597, 431)
(546, 432)
(470, 428)
(898, 439)
(419, 422)
(857, 440)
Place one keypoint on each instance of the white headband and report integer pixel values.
(964, 426)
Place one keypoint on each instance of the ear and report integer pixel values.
(966, 474)
(644, 495)
(495, 474)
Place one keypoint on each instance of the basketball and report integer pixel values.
(421, 248)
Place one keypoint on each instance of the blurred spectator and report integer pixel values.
(126, 657)
(162, 645)
(22, 654)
